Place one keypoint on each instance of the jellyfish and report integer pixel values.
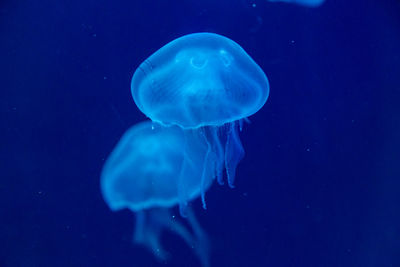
(309, 3)
(144, 173)
(204, 83)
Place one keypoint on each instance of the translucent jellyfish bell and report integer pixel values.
(203, 82)
(149, 165)
(200, 79)
(148, 172)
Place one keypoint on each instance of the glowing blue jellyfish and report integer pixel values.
(309, 3)
(207, 83)
(145, 173)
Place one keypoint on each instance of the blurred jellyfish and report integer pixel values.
(144, 173)
(204, 83)
(309, 3)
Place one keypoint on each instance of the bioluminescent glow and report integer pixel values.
(148, 172)
(204, 83)
(309, 3)
(197, 90)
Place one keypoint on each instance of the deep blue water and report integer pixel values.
(320, 182)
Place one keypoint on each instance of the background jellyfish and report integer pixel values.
(309, 3)
(207, 83)
(144, 173)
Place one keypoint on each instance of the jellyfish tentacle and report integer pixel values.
(175, 226)
(185, 171)
(196, 239)
(202, 244)
(151, 223)
(218, 154)
(183, 195)
(205, 172)
(234, 152)
(147, 233)
(182, 191)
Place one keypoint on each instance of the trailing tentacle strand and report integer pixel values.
(234, 152)
(208, 161)
(218, 154)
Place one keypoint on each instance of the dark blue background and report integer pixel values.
(320, 182)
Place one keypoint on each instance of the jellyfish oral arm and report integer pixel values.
(151, 223)
(234, 152)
